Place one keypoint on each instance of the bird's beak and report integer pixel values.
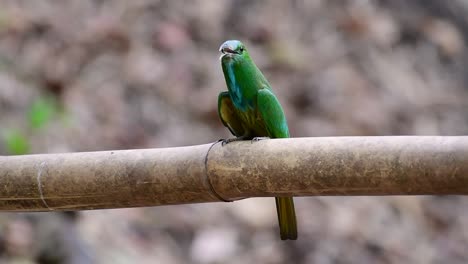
(226, 48)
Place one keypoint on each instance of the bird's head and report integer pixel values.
(232, 49)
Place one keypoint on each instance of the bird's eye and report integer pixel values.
(241, 49)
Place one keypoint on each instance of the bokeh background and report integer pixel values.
(86, 75)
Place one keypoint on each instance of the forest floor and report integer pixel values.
(86, 75)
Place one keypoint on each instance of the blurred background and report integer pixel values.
(87, 75)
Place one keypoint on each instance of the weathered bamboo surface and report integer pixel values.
(409, 165)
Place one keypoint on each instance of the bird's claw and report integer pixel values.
(229, 140)
(225, 141)
(255, 139)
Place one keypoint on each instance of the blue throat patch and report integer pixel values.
(235, 91)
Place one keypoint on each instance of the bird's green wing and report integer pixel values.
(272, 114)
(228, 114)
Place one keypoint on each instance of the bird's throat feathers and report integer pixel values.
(243, 80)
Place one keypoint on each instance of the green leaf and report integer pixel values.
(41, 112)
(16, 143)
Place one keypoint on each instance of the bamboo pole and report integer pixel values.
(212, 172)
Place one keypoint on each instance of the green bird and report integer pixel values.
(250, 109)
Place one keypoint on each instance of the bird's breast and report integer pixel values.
(239, 97)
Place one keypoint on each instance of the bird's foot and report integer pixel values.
(255, 139)
(229, 140)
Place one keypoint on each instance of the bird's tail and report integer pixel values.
(286, 217)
